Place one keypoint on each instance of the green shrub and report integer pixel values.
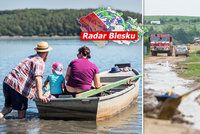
(198, 52)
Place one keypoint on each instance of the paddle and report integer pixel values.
(107, 87)
(169, 106)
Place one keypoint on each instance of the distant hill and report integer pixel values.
(172, 18)
(182, 28)
(43, 22)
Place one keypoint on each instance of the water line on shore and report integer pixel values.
(161, 77)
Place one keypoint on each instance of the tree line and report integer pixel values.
(164, 20)
(180, 35)
(43, 22)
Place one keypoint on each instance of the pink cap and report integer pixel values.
(57, 68)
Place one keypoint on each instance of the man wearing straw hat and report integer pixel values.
(25, 82)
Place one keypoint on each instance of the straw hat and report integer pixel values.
(43, 47)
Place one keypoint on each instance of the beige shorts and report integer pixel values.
(73, 90)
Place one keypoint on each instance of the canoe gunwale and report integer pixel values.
(72, 99)
(101, 98)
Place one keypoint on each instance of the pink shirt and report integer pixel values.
(82, 74)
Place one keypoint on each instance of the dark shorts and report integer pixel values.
(14, 99)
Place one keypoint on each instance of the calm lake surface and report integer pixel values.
(12, 51)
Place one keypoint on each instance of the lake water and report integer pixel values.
(12, 51)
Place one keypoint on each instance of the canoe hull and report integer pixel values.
(67, 109)
(92, 108)
(111, 105)
(163, 98)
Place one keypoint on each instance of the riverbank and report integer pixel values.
(190, 68)
(155, 126)
(159, 77)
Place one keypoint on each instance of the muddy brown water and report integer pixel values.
(161, 77)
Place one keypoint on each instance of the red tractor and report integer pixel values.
(161, 43)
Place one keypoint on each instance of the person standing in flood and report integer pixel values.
(81, 73)
(25, 82)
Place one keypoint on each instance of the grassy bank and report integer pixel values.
(192, 66)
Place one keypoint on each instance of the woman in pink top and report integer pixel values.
(81, 72)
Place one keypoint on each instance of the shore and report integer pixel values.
(155, 126)
(164, 67)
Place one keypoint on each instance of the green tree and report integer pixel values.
(168, 29)
(28, 22)
(181, 36)
(147, 43)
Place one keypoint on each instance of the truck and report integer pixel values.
(161, 43)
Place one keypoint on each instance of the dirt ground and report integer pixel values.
(163, 58)
(194, 47)
(155, 126)
(171, 59)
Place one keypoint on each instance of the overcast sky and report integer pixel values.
(151, 7)
(131, 5)
(172, 7)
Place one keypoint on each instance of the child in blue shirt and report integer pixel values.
(55, 80)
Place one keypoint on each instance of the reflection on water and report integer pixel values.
(126, 122)
(129, 121)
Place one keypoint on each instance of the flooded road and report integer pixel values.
(160, 76)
